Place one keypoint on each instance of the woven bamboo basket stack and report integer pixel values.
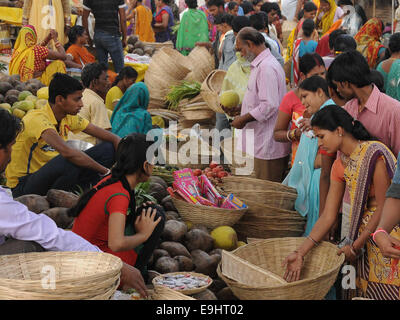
(254, 271)
(195, 111)
(271, 211)
(210, 217)
(59, 276)
(159, 45)
(202, 63)
(167, 67)
(211, 88)
(238, 161)
(193, 153)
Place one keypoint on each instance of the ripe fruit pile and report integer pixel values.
(214, 172)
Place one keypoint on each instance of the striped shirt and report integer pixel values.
(380, 116)
(106, 14)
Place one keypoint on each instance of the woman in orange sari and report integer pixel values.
(30, 59)
(368, 41)
(81, 56)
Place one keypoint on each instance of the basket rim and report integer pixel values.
(187, 291)
(289, 284)
(221, 210)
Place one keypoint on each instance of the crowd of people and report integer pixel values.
(319, 107)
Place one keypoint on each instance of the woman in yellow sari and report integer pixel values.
(45, 15)
(328, 13)
(143, 17)
(364, 169)
(29, 59)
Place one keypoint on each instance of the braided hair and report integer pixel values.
(130, 158)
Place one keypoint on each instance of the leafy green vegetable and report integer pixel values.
(185, 90)
(2, 67)
(142, 195)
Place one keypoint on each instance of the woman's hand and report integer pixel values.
(293, 263)
(305, 124)
(389, 246)
(350, 254)
(132, 278)
(145, 223)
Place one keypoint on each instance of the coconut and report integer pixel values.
(11, 99)
(138, 51)
(12, 92)
(5, 87)
(133, 39)
(229, 99)
(1, 98)
(139, 44)
(15, 79)
(130, 48)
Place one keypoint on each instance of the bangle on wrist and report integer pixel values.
(315, 242)
(377, 231)
(288, 135)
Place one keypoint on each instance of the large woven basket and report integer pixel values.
(263, 221)
(164, 293)
(202, 64)
(78, 275)
(214, 81)
(158, 45)
(238, 161)
(187, 291)
(321, 267)
(278, 199)
(197, 111)
(234, 183)
(210, 217)
(211, 88)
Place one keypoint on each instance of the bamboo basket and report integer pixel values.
(321, 267)
(210, 217)
(234, 184)
(197, 111)
(78, 275)
(211, 88)
(158, 45)
(164, 293)
(262, 221)
(212, 99)
(202, 64)
(187, 291)
(173, 63)
(278, 199)
(214, 81)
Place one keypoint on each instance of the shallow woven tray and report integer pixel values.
(78, 275)
(321, 267)
(208, 216)
(283, 200)
(188, 291)
(234, 183)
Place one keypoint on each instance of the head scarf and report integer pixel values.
(23, 58)
(327, 18)
(368, 40)
(130, 115)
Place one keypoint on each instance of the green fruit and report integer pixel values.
(40, 103)
(225, 238)
(23, 95)
(31, 98)
(229, 99)
(16, 105)
(18, 113)
(26, 106)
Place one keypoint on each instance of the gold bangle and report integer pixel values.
(287, 135)
(293, 134)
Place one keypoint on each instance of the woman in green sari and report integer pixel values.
(193, 28)
(130, 115)
(390, 68)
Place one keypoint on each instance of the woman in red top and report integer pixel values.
(107, 216)
(291, 107)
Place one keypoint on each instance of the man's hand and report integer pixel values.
(239, 122)
(123, 43)
(66, 30)
(350, 254)
(132, 278)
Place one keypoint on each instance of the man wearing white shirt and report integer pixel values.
(24, 231)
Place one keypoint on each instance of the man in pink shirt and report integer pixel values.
(379, 113)
(259, 110)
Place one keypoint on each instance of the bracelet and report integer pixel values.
(106, 174)
(287, 135)
(293, 134)
(376, 232)
(315, 242)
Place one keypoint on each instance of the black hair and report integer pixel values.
(394, 42)
(345, 3)
(331, 117)
(267, 7)
(247, 7)
(240, 22)
(300, 15)
(126, 72)
(257, 21)
(10, 127)
(352, 67)
(256, 2)
(360, 11)
(63, 85)
(310, 6)
(73, 34)
(276, 7)
(308, 27)
(314, 83)
(333, 86)
(265, 16)
(129, 159)
(224, 18)
(192, 4)
(251, 34)
(333, 36)
(377, 79)
(217, 3)
(309, 61)
(344, 43)
(91, 72)
(232, 5)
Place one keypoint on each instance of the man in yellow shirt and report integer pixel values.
(95, 79)
(42, 160)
